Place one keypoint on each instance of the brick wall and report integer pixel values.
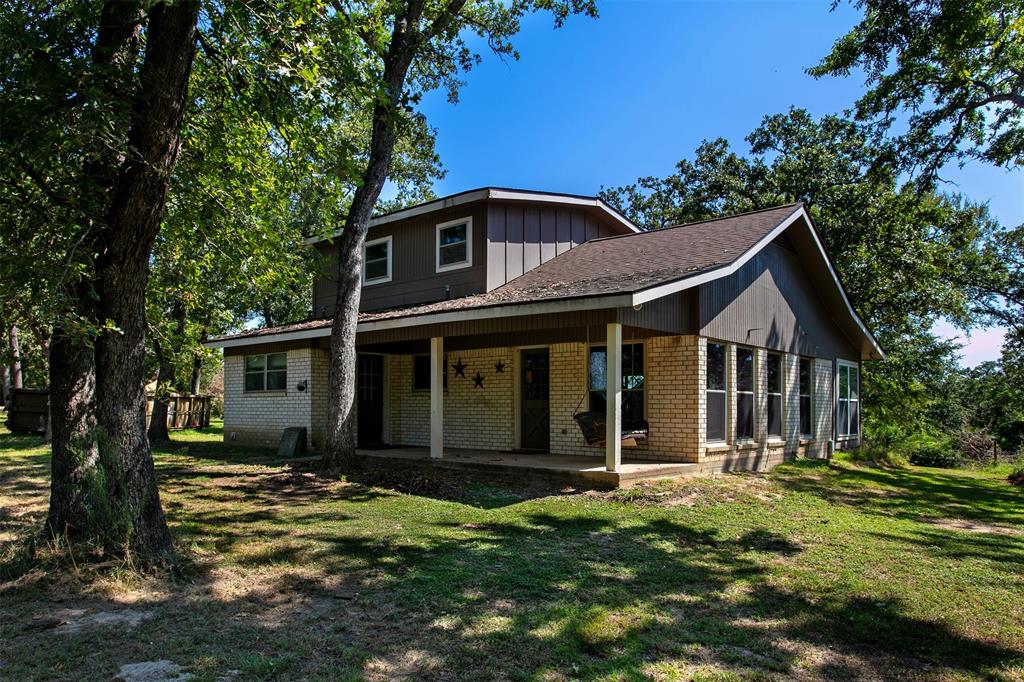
(259, 417)
(481, 418)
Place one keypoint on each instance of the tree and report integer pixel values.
(955, 68)
(106, 87)
(413, 47)
(905, 257)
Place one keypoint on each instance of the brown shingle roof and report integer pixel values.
(622, 264)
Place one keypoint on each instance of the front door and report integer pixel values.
(370, 397)
(534, 400)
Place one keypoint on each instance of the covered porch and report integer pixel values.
(580, 469)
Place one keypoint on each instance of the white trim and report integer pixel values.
(377, 280)
(613, 396)
(468, 222)
(315, 333)
(662, 290)
(492, 193)
(436, 397)
(835, 407)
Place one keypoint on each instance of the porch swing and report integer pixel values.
(593, 425)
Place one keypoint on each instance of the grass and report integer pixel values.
(815, 571)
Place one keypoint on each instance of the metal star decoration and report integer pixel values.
(460, 368)
(499, 367)
(478, 381)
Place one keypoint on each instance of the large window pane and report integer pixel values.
(774, 370)
(277, 381)
(842, 418)
(632, 379)
(744, 416)
(744, 369)
(255, 363)
(716, 367)
(716, 416)
(453, 235)
(253, 381)
(805, 415)
(277, 361)
(775, 416)
(453, 254)
(453, 245)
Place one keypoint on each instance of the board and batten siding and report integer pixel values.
(522, 236)
(414, 276)
(770, 302)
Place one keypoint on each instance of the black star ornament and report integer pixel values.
(478, 381)
(460, 368)
(499, 367)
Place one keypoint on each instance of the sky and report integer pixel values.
(602, 102)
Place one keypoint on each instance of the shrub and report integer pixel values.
(933, 450)
(1016, 476)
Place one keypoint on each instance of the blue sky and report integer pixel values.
(601, 102)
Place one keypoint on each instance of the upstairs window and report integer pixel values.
(744, 394)
(455, 244)
(774, 390)
(805, 397)
(848, 400)
(632, 383)
(715, 393)
(266, 372)
(377, 261)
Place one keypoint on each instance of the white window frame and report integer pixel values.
(752, 438)
(266, 370)
(840, 364)
(468, 222)
(367, 245)
(809, 395)
(724, 391)
(780, 393)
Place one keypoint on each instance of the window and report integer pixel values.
(715, 392)
(266, 372)
(632, 383)
(744, 394)
(848, 400)
(377, 261)
(421, 373)
(805, 397)
(455, 244)
(774, 390)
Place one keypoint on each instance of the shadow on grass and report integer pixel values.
(912, 493)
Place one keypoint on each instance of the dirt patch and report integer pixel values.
(973, 526)
(76, 620)
(693, 492)
(150, 671)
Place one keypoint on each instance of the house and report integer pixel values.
(491, 319)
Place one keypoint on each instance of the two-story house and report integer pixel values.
(515, 321)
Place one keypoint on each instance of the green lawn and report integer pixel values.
(816, 571)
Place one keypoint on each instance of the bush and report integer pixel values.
(933, 450)
(1016, 477)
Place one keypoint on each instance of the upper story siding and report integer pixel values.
(509, 238)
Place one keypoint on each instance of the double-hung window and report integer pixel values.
(848, 400)
(632, 383)
(455, 244)
(715, 393)
(377, 261)
(774, 390)
(805, 397)
(744, 394)
(266, 372)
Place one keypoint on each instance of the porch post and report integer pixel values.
(613, 406)
(436, 397)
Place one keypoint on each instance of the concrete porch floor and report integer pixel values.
(570, 467)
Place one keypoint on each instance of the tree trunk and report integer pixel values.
(17, 380)
(197, 374)
(75, 483)
(5, 384)
(157, 432)
(122, 272)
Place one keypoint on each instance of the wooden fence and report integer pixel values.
(30, 411)
(184, 411)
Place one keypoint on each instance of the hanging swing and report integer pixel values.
(594, 425)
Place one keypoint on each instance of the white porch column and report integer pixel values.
(613, 416)
(436, 397)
